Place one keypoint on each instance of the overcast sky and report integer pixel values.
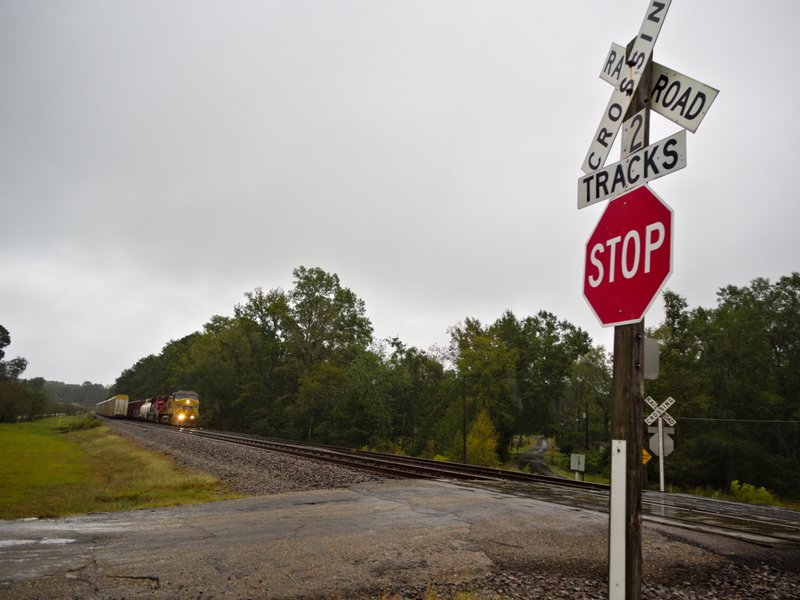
(158, 159)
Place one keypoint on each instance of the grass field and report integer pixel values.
(48, 470)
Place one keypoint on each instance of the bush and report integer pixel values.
(482, 441)
(88, 422)
(749, 494)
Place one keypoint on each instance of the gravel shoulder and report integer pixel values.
(243, 469)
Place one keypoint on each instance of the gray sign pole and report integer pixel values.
(660, 414)
(661, 454)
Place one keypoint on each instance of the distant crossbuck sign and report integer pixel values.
(660, 411)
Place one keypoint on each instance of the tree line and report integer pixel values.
(734, 372)
(303, 364)
(24, 400)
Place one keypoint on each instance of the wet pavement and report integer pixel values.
(374, 536)
(534, 457)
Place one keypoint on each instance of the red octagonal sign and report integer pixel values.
(628, 257)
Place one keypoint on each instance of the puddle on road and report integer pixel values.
(46, 541)
(12, 543)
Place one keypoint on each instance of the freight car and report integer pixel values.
(116, 406)
(133, 408)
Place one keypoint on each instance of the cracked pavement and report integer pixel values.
(372, 536)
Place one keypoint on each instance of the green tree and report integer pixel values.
(146, 378)
(587, 402)
(10, 370)
(360, 415)
(546, 349)
(733, 371)
(320, 388)
(324, 320)
(86, 394)
(18, 400)
(488, 370)
(417, 391)
(482, 441)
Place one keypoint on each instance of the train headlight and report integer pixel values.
(181, 417)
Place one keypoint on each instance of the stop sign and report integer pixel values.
(628, 257)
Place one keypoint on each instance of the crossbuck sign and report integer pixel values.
(660, 410)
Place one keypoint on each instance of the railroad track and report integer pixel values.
(391, 464)
(765, 526)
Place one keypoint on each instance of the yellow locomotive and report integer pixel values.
(182, 408)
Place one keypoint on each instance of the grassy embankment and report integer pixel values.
(558, 463)
(62, 466)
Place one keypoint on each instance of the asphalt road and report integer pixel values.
(349, 543)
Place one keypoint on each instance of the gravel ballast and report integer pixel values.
(243, 469)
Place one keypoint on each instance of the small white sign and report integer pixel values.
(577, 462)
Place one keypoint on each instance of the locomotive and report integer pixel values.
(181, 408)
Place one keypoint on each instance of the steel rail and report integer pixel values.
(375, 464)
(477, 471)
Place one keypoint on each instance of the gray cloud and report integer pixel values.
(159, 159)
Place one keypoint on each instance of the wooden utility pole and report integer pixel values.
(627, 400)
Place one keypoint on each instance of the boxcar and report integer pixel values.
(134, 406)
(116, 406)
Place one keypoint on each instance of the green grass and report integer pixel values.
(65, 465)
(589, 477)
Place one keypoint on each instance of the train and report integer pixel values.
(181, 408)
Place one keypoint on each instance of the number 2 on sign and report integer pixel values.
(633, 133)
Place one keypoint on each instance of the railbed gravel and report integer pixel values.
(243, 469)
(734, 582)
(251, 471)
